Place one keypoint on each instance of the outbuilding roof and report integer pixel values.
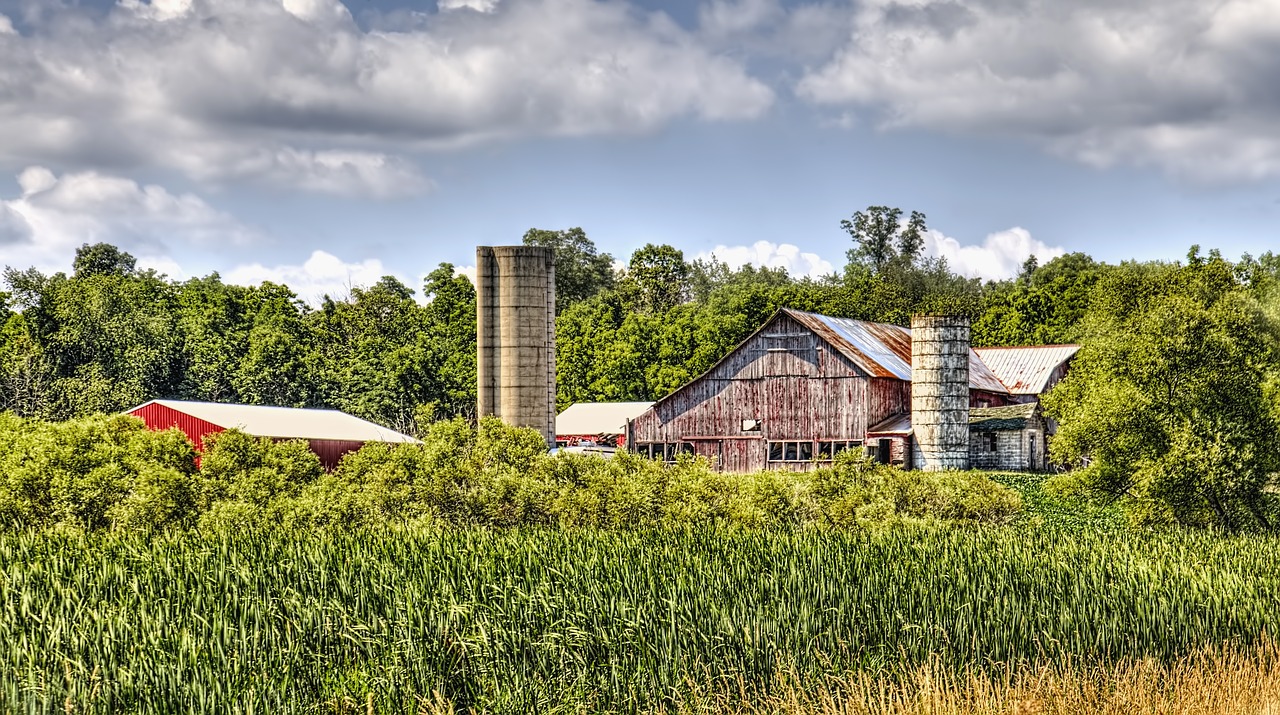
(590, 418)
(1010, 417)
(1026, 370)
(883, 350)
(285, 422)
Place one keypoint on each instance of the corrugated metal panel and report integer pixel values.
(331, 451)
(158, 416)
(878, 349)
(883, 350)
(584, 418)
(1027, 370)
(284, 422)
(898, 424)
(161, 417)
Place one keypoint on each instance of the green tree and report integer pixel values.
(881, 240)
(102, 259)
(1168, 401)
(101, 342)
(214, 321)
(280, 365)
(449, 338)
(581, 271)
(659, 276)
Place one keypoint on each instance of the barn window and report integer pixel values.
(826, 451)
(664, 451)
(791, 451)
(839, 447)
(989, 443)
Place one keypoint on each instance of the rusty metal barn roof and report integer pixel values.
(1026, 370)
(285, 422)
(898, 424)
(583, 418)
(883, 350)
(990, 419)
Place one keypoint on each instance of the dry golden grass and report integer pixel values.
(1217, 681)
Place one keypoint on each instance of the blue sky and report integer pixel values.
(324, 145)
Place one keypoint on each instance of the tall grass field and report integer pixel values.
(573, 620)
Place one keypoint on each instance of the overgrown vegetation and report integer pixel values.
(587, 620)
(113, 473)
(1172, 402)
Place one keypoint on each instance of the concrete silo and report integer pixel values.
(940, 391)
(516, 336)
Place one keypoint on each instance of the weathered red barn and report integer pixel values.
(329, 433)
(805, 387)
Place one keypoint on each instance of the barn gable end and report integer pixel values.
(783, 384)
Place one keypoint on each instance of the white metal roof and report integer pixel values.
(1026, 370)
(285, 422)
(584, 418)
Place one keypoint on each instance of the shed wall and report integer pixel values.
(159, 417)
(1014, 449)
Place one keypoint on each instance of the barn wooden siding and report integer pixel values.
(159, 417)
(797, 386)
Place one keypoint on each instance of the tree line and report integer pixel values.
(1171, 404)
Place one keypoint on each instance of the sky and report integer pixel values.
(323, 144)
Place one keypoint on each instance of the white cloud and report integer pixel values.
(54, 215)
(766, 254)
(477, 5)
(1000, 256)
(296, 93)
(804, 33)
(6, 25)
(321, 274)
(467, 271)
(1181, 85)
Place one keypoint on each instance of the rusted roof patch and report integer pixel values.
(883, 350)
(1026, 370)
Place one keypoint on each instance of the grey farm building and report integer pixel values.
(805, 387)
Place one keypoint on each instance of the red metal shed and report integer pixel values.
(329, 433)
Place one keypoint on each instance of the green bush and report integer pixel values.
(111, 472)
(90, 472)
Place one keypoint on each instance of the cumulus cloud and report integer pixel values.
(999, 257)
(803, 33)
(321, 274)
(766, 254)
(477, 5)
(1182, 85)
(295, 92)
(53, 215)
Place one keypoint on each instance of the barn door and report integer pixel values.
(712, 449)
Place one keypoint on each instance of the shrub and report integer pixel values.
(77, 473)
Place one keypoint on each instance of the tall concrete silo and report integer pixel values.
(940, 391)
(516, 336)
